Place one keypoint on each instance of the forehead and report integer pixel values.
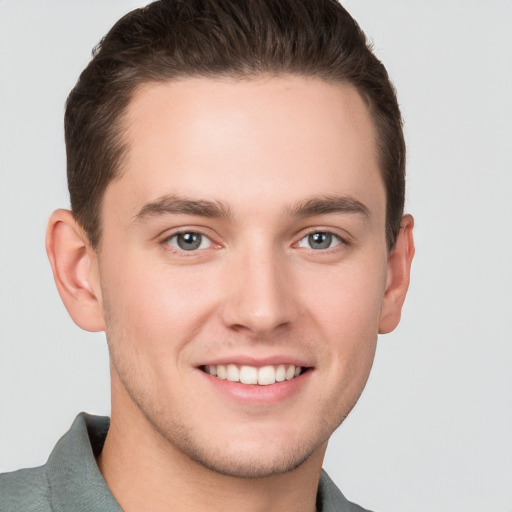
(266, 138)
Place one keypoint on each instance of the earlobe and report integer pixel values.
(398, 273)
(75, 270)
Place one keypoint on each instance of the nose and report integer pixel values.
(261, 296)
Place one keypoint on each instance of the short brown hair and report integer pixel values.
(171, 39)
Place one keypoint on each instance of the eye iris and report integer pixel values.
(320, 240)
(189, 241)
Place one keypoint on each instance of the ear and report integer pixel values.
(399, 268)
(75, 270)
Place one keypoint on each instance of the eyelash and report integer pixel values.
(331, 237)
(175, 248)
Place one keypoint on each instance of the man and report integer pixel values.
(236, 173)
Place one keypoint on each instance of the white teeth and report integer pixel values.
(266, 375)
(248, 375)
(232, 373)
(263, 376)
(290, 372)
(221, 371)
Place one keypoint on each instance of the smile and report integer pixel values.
(263, 376)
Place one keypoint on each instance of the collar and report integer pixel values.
(75, 481)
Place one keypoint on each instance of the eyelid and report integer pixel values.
(170, 234)
(333, 235)
(343, 237)
(203, 240)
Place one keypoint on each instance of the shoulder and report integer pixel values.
(25, 490)
(69, 481)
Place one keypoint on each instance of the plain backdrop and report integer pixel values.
(433, 429)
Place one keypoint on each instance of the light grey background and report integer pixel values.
(433, 430)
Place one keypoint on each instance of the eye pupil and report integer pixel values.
(189, 241)
(320, 240)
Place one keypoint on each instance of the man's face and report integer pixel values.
(245, 237)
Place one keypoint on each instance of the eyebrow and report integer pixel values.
(181, 205)
(329, 204)
(173, 204)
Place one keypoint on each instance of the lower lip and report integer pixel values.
(255, 395)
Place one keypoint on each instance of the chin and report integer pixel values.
(249, 461)
(250, 450)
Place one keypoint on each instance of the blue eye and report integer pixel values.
(319, 240)
(189, 241)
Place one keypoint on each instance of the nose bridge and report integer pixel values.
(260, 297)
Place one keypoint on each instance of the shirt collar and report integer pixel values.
(75, 480)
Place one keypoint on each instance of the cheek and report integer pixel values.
(155, 309)
(346, 306)
(349, 298)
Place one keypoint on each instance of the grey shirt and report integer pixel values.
(71, 482)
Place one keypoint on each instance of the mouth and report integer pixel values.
(254, 376)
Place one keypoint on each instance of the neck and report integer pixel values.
(145, 472)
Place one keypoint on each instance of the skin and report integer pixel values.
(279, 159)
